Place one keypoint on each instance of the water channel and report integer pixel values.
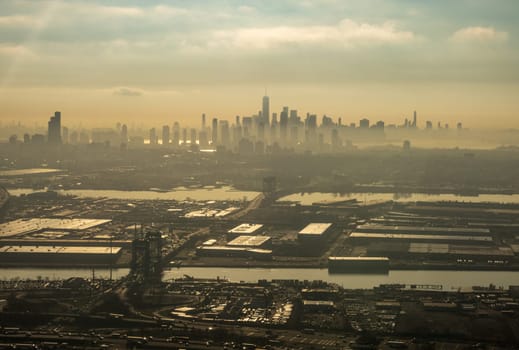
(449, 280)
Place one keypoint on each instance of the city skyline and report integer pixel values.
(407, 119)
(289, 130)
(131, 60)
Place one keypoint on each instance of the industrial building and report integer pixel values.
(251, 242)
(358, 264)
(51, 255)
(318, 306)
(449, 251)
(245, 229)
(314, 232)
(425, 230)
(25, 226)
(210, 213)
(441, 251)
(234, 252)
(319, 293)
(366, 237)
(209, 242)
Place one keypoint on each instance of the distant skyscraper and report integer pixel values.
(225, 134)
(165, 135)
(311, 129)
(65, 135)
(214, 131)
(192, 136)
(176, 134)
(364, 123)
(54, 129)
(202, 139)
(184, 136)
(124, 134)
(414, 119)
(265, 112)
(247, 125)
(283, 123)
(293, 119)
(261, 131)
(203, 121)
(153, 136)
(294, 134)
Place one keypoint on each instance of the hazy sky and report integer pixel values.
(162, 61)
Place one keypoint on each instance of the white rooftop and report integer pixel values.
(58, 249)
(358, 258)
(24, 226)
(421, 237)
(208, 213)
(315, 229)
(246, 228)
(248, 241)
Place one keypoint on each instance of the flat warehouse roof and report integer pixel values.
(381, 235)
(24, 226)
(208, 213)
(434, 248)
(431, 229)
(220, 248)
(315, 229)
(358, 258)
(249, 241)
(246, 228)
(31, 171)
(28, 249)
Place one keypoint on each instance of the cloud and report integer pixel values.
(347, 33)
(129, 92)
(20, 21)
(479, 34)
(246, 9)
(16, 50)
(110, 11)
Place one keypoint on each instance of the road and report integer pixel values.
(253, 204)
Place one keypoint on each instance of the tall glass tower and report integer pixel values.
(265, 112)
(54, 129)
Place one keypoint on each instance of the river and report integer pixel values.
(178, 194)
(229, 193)
(313, 197)
(450, 280)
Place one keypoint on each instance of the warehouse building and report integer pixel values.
(318, 306)
(234, 252)
(251, 242)
(314, 232)
(54, 255)
(453, 252)
(25, 226)
(426, 230)
(245, 229)
(366, 237)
